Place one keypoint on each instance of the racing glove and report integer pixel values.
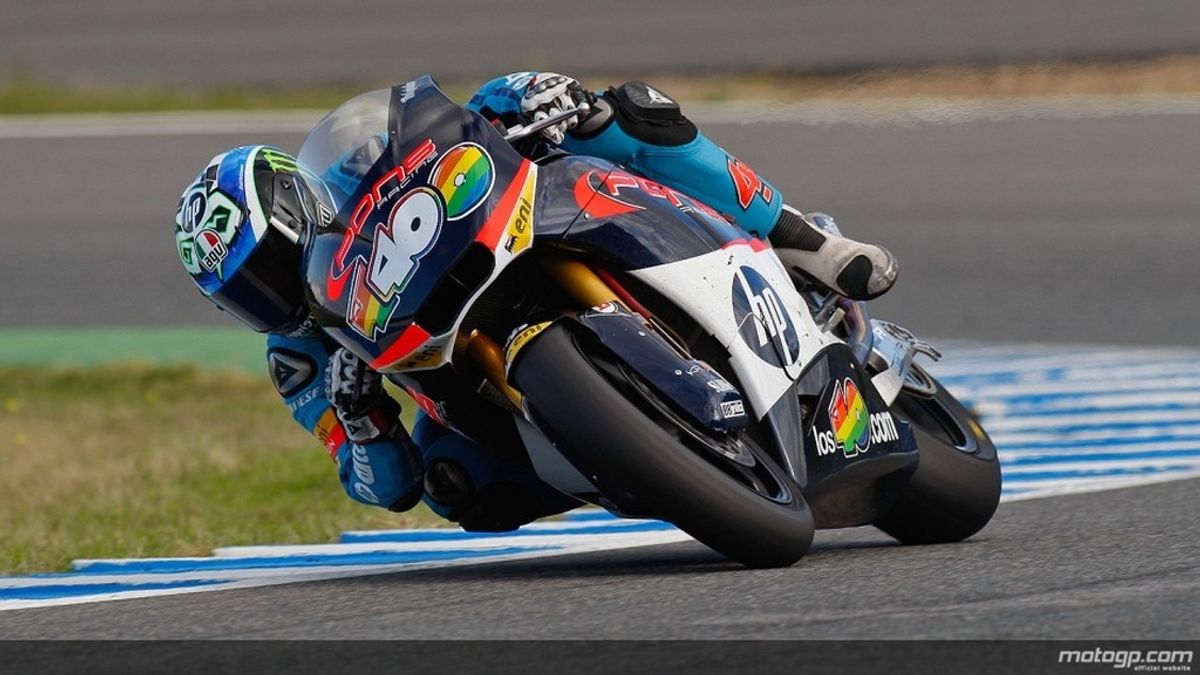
(356, 393)
(549, 94)
(380, 464)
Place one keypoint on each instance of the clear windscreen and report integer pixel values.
(347, 142)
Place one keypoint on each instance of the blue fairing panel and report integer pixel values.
(699, 168)
(626, 220)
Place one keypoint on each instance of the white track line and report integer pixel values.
(1100, 449)
(87, 125)
(903, 112)
(1097, 418)
(1145, 433)
(252, 578)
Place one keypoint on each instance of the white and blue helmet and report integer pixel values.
(239, 229)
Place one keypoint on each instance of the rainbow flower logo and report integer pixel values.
(464, 176)
(849, 419)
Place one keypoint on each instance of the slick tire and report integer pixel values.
(610, 438)
(956, 486)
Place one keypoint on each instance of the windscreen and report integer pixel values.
(344, 145)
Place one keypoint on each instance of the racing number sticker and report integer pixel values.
(409, 235)
(747, 184)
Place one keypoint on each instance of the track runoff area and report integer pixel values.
(1065, 420)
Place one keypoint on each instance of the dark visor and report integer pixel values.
(267, 291)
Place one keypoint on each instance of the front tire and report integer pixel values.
(611, 438)
(956, 487)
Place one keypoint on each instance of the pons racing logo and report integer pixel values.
(399, 240)
(763, 321)
(601, 195)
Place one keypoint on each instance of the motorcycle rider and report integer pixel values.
(642, 128)
(239, 229)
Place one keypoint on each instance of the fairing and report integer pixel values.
(630, 222)
(431, 203)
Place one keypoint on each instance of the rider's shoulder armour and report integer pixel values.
(644, 113)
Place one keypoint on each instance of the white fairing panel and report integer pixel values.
(549, 464)
(746, 300)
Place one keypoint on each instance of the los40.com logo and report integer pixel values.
(852, 427)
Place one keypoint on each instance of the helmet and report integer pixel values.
(239, 229)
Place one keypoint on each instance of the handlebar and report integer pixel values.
(519, 132)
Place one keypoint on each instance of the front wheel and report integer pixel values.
(956, 487)
(610, 426)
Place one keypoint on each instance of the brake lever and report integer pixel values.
(518, 132)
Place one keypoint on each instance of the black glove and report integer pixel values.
(356, 393)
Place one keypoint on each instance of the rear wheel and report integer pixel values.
(726, 492)
(956, 487)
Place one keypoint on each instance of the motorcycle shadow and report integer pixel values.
(688, 558)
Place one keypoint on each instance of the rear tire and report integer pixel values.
(956, 486)
(613, 439)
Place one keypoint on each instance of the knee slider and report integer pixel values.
(448, 483)
(405, 501)
(649, 115)
(498, 507)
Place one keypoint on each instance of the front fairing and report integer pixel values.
(423, 190)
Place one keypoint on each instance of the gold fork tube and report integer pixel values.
(580, 281)
(583, 285)
(490, 359)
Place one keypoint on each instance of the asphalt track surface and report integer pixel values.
(306, 42)
(1098, 566)
(1062, 230)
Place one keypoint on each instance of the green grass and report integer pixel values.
(19, 96)
(22, 91)
(27, 96)
(215, 347)
(160, 460)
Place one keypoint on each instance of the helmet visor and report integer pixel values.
(267, 291)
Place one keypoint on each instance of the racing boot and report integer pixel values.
(812, 253)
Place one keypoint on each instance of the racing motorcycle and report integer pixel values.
(636, 348)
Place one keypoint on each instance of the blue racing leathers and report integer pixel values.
(647, 133)
(459, 480)
(385, 472)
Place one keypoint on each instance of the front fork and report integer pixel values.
(885, 349)
(585, 287)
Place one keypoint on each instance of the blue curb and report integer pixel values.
(78, 590)
(275, 562)
(1100, 457)
(1096, 473)
(456, 535)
